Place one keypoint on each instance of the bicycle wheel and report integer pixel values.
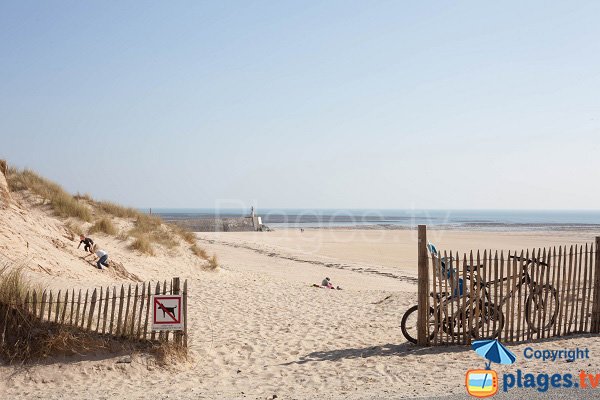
(543, 300)
(490, 323)
(409, 324)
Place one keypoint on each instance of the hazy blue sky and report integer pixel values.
(365, 104)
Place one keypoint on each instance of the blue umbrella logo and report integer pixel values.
(493, 351)
(483, 383)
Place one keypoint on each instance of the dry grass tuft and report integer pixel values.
(199, 251)
(103, 225)
(143, 245)
(85, 196)
(168, 353)
(150, 228)
(117, 210)
(64, 204)
(123, 235)
(74, 228)
(184, 233)
(213, 263)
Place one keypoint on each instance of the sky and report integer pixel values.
(301, 104)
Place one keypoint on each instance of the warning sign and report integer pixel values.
(167, 313)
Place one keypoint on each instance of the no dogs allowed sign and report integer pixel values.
(167, 314)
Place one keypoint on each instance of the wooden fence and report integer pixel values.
(124, 312)
(514, 296)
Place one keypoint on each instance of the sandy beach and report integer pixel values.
(258, 328)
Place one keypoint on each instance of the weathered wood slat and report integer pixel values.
(476, 277)
(34, 304)
(100, 300)
(105, 315)
(156, 291)
(92, 307)
(435, 277)
(85, 303)
(170, 290)
(64, 311)
(577, 319)
(78, 307)
(500, 262)
(139, 322)
(43, 305)
(112, 311)
(57, 311)
(590, 280)
(521, 269)
(559, 272)
(72, 306)
(49, 319)
(464, 303)
(120, 318)
(515, 274)
(178, 336)
(581, 315)
(134, 310)
(446, 289)
(185, 320)
(545, 283)
(595, 322)
(485, 296)
(126, 317)
(571, 293)
(148, 305)
(555, 261)
(454, 293)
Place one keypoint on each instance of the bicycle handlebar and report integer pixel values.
(529, 260)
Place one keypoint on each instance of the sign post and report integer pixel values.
(167, 313)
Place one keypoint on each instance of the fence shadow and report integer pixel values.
(386, 350)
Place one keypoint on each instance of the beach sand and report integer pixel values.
(258, 328)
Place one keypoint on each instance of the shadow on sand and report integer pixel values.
(386, 350)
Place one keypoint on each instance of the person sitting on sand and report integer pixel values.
(88, 243)
(327, 283)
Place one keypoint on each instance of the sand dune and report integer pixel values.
(257, 327)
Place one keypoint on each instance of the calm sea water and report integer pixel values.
(463, 219)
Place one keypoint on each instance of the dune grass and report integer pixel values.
(63, 203)
(213, 262)
(143, 245)
(117, 210)
(147, 230)
(199, 251)
(103, 225)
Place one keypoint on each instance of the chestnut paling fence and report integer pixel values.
(124, 312)
(512, 296)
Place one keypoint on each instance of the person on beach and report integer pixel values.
(88, 243)
(102, 259)
(327, 283)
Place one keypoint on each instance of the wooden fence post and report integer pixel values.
(185, 321)
(595, 328)
(177, 290)
(423, 289)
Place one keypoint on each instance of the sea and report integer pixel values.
(499, 220)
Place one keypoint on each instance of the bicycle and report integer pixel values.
(490, 315)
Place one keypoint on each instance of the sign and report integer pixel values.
(167, 313)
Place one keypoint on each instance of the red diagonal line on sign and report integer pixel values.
(162, 307)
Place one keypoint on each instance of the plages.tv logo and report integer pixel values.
(484, 382)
